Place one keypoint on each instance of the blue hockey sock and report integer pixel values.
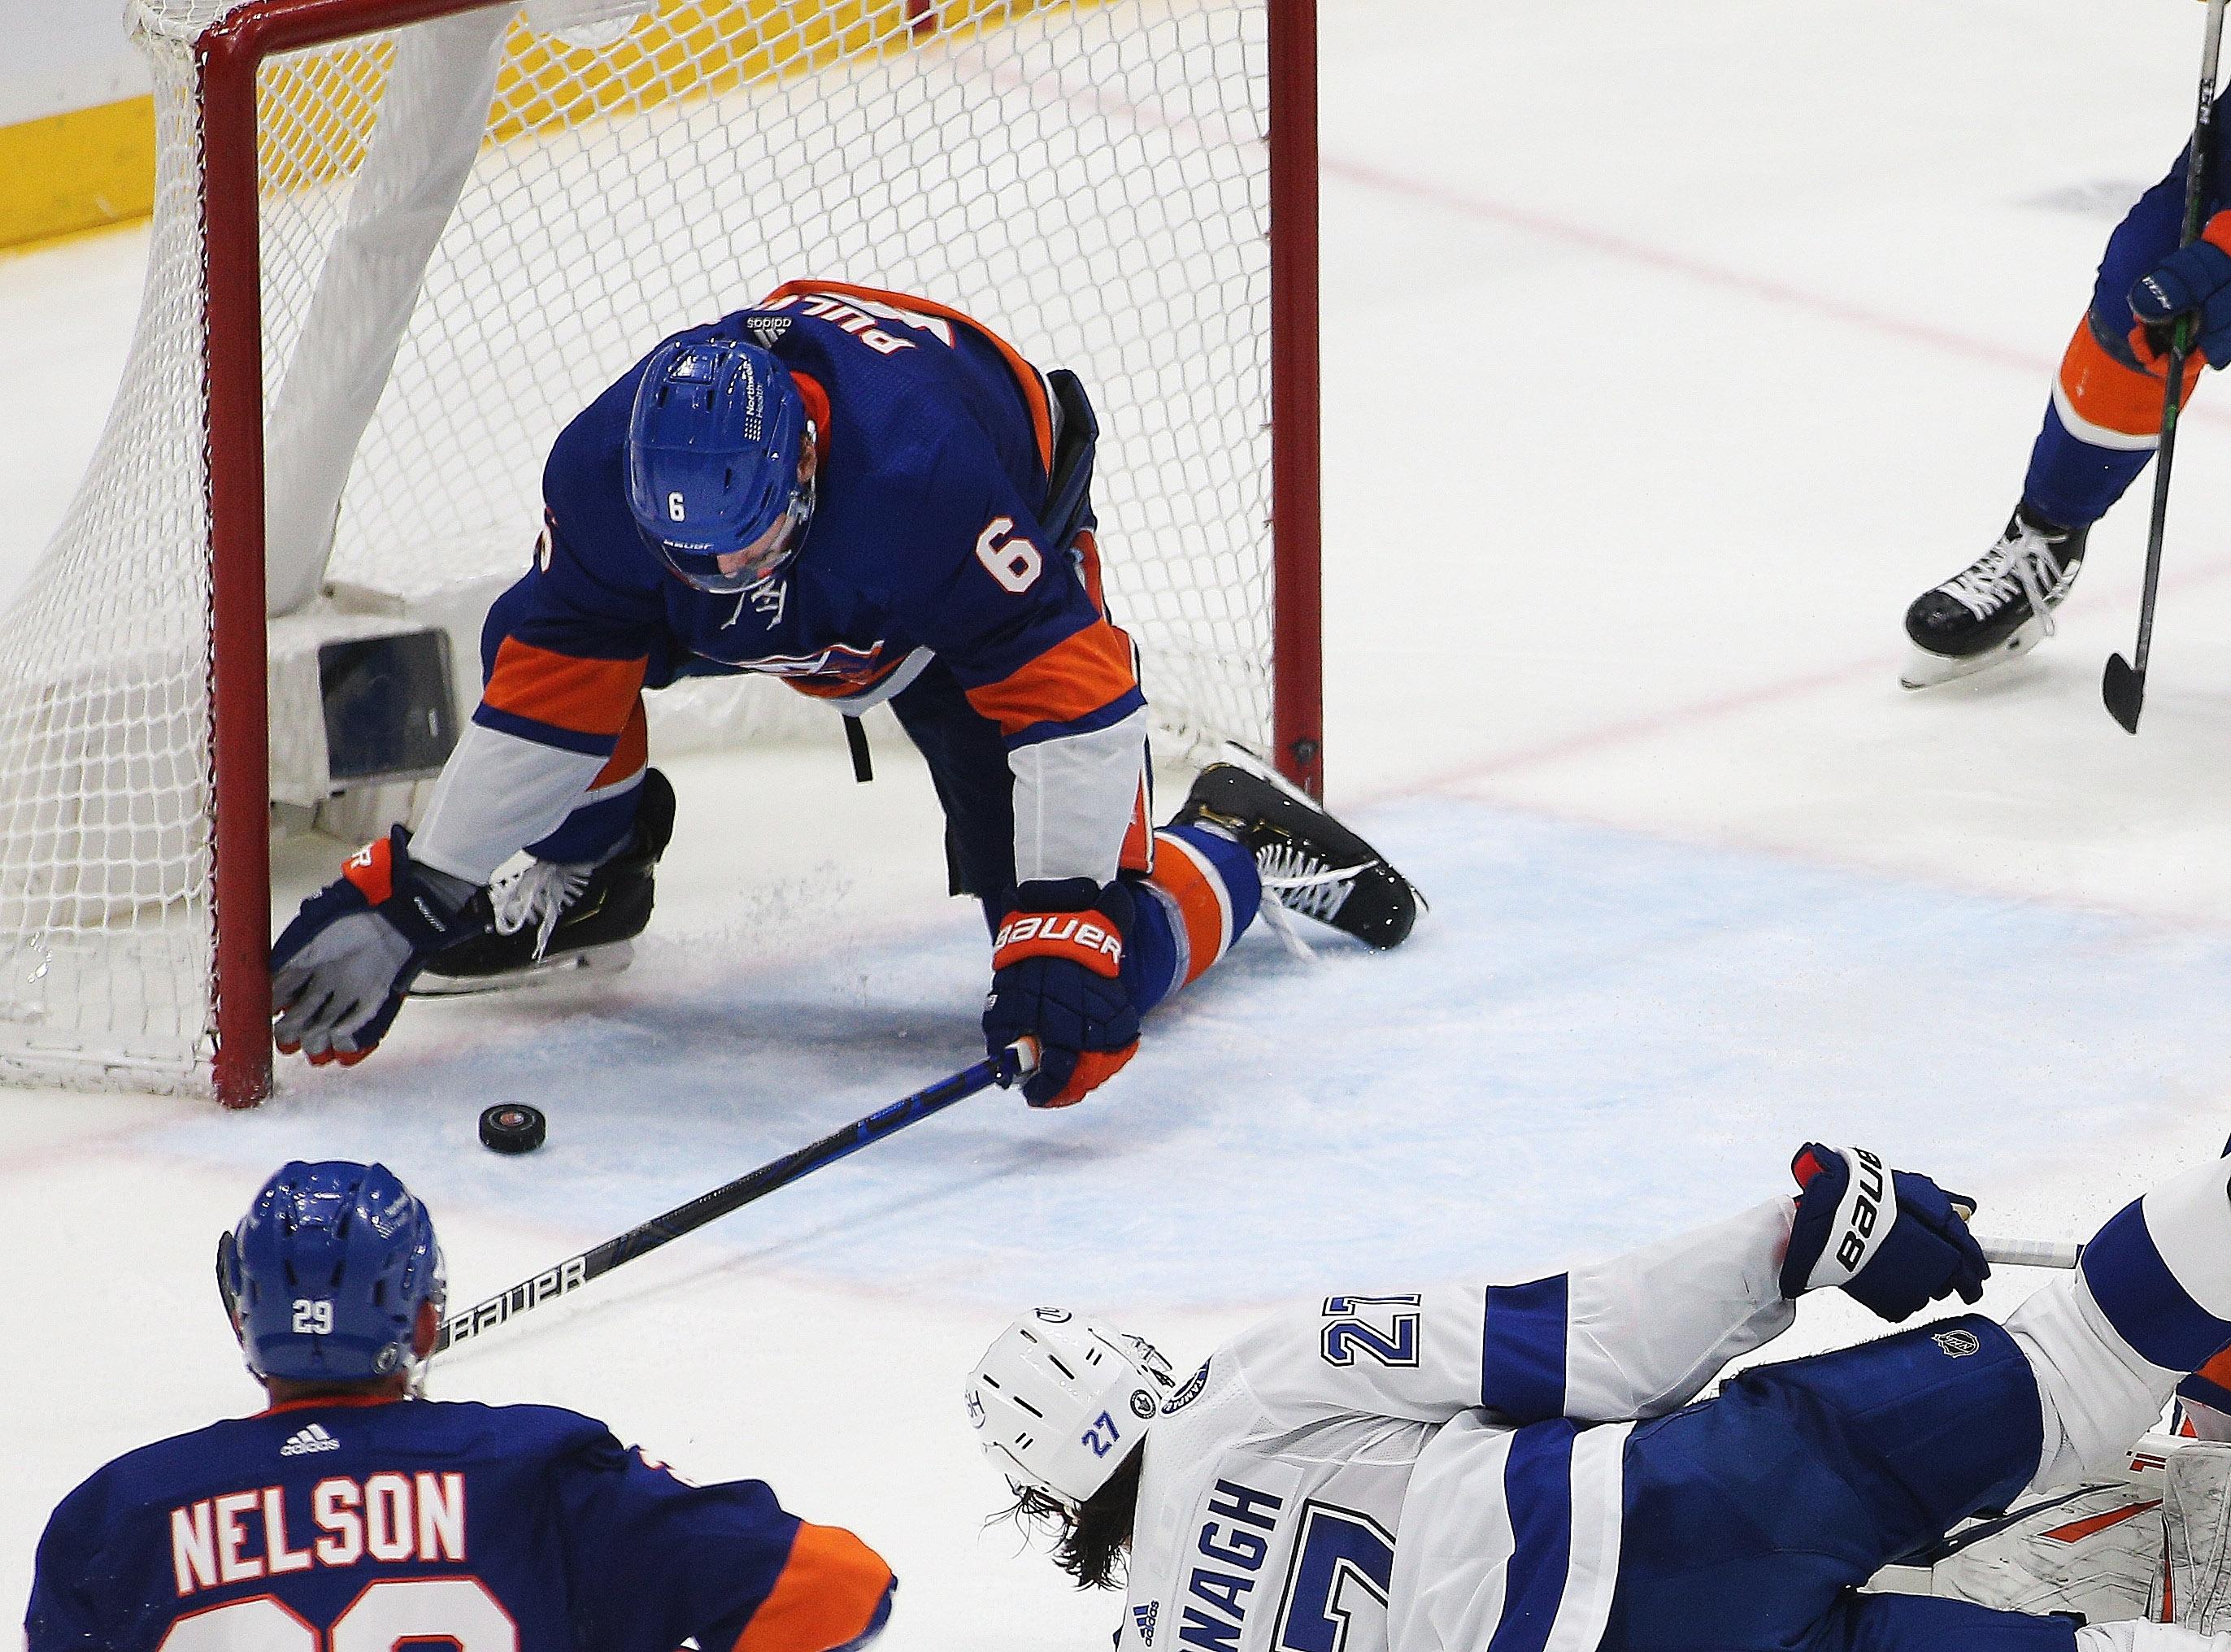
(1200, 897)
(598, 827)
(2071, 482)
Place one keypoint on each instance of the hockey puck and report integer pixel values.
(512, 1127)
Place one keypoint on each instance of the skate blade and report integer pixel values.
(1926, 670)
(595, 960)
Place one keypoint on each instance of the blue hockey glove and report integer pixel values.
(1057, 976)
(340, 968)
(1890, 1238)
(2192, 281)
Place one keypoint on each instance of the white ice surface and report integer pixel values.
(1670, 350)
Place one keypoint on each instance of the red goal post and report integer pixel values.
(242, 124)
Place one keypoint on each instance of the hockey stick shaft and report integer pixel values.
(1010, 1066)
(2122, 686)
(2030, 1253)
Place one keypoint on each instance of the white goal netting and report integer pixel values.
(468, 227)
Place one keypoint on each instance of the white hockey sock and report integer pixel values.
(2151, 1302)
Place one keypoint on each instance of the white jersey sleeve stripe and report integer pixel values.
(1522, 1361)
(1599, 1504)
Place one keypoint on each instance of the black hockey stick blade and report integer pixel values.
(1009, 1067)
(2123, 689)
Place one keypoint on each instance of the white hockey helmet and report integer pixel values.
(1058, 1401)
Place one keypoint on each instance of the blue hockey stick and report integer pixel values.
(1013, 1065)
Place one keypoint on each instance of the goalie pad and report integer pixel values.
(2156, 1545)
(2095, 1552)
(2197, 1507)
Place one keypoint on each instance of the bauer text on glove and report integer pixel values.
(1057, 976)
(1890, 1238)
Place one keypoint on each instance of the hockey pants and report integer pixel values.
(1750, 1518)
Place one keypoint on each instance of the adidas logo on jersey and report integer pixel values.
(313, 1438)
(1144, 1618)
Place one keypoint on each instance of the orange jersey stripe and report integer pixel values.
(1027, 377)
(817, 409)
(1088, 561)
(1074, 678)
(1180, 874)
(826, 1597)
(1137, 853)
(583, 696)
(631, 756)
(2105, 393)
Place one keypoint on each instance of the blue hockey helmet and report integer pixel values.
(325, 1274)
(713, 449)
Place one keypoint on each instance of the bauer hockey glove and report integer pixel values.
(2192, 281)
(1057, 976)
(1890, 1238)
(340, 968)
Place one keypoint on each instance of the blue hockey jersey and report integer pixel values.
(936, 441)
(354, 1524)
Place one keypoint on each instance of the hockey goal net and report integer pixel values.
(398, 243)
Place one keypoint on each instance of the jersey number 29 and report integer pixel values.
(396, 1611)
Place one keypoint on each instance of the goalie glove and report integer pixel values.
(1889, 1239)
(1057, 976)
(339, 970)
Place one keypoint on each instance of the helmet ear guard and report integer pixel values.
(228, 1267)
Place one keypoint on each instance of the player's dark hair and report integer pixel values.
(1091, 1537)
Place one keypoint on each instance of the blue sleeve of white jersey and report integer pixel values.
(1638, 1336)
(656, 1560)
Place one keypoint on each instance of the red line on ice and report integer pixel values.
(1706, 273)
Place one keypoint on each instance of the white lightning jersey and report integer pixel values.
(1340, 1478)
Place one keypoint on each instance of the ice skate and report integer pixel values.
(1997, 607)
(1310, 863)
(550, 918)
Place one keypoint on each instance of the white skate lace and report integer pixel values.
(1300, 883)
(539, 893)
(2025, 563)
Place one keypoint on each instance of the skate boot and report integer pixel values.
(1310, 863)
(551, 918)
(1997, 607)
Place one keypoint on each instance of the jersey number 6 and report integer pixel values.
(1007, 555)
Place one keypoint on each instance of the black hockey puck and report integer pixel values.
(512, 1127)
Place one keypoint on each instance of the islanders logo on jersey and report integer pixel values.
(840, 663)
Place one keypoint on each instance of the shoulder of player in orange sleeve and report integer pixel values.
(833, 1592)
